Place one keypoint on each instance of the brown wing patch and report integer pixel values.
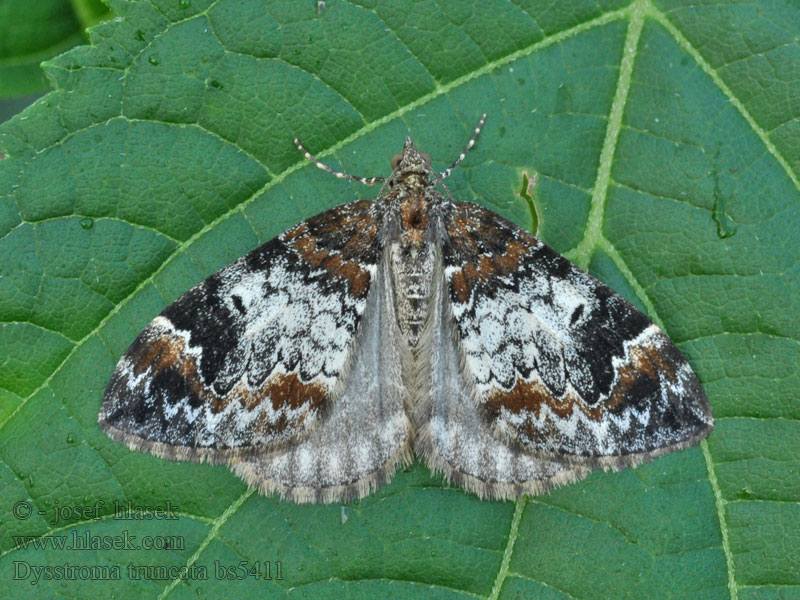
(463, 281)
(164, 354)
(351, 228)
(481, 249)
(159, 377)
(282, 390)
(530, 396)
(333, 263)
(644, 367)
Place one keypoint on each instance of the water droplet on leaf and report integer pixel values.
(154, 59)
(87, 223)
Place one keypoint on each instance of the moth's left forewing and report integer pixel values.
(251, 358)
(560, 363)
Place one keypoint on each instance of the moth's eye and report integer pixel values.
(426, 157)
(396, 160)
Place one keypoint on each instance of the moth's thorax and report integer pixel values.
(412, 252)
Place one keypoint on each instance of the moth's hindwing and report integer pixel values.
(253, 356)
(558, 362)
(457, 441)
(366, 433)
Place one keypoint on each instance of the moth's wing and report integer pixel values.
(456, 439)
(366, 434)
(558, 362)
(253, 356)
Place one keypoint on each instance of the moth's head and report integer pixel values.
(410, 165)
(409, 161)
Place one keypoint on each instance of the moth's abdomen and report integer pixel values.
(412, 276)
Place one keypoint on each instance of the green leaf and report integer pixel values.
(31, 32)
(662, 139)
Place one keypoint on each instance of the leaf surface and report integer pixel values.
(663, 140)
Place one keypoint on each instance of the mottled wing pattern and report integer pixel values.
(366, 433)
(253, 356)
(457, 441)
(558, 362)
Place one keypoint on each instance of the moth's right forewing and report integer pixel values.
(560, 363)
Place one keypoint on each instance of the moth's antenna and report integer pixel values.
(339, 174)
(470, 144)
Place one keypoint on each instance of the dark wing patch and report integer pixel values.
(559, 362)
(252, 356)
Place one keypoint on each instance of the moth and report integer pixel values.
(321, 361)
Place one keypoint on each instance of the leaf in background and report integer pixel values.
(31, 32)
(663, 139)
